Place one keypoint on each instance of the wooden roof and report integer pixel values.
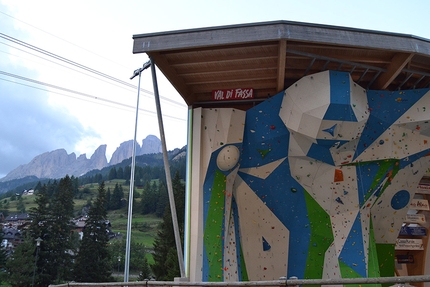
(270, 56)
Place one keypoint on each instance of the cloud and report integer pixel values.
(30, 125)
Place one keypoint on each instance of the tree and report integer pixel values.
(38, 187)
(127, 173)
(120, 173)
(108, 199)
(112, 174)
(60, 229)
(163, 200)
(23, 261)
(148, 203)
(39, 228)
(20, 205)
(92, 263)
(166, 265)
(145, 271)
(98, 178)
(20, 265)
(3, 260)
(117, 197)
(138, 261)
(75, 185)
(51, 222)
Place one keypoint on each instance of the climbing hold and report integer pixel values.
(338, 175)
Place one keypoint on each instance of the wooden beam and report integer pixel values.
(282, 55)
(398, 62)
(276, 30)
(171, 75)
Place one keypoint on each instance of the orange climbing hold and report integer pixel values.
(338, 175)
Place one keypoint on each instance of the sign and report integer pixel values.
(423, 189)
(405, 258)
(233, 94)
(424, 185)
(419, 204)
(409, 244)
(415, 218)
(413, 231)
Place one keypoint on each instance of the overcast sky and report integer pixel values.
(47, 104)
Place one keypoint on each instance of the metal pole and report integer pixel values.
(167, 169)
(34, 270)
(188, 177)
(38, 240)
(137, 72)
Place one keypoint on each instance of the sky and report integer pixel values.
(65, 66)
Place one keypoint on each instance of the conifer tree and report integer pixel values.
(145, 270)
(108, 199)
(20, 205)
(60, 230)
(75, 185)
(3, 260)
(38, 187)
(39, 228)
(163, 200)
(117, 196)
(51, 222)
(20, 266)
(138, 261)
(112, 174)
(120, 173)
(92, 263)
(166, 265)
(146, 201)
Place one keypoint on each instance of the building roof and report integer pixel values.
(271, 56)
(17, 217)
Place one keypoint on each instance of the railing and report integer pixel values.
(282, 282)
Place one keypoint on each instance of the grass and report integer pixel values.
(144, 227)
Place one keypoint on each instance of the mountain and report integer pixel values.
(57, 163)
(151, 144)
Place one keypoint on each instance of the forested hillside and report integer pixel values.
(58, 202)
(148, 166)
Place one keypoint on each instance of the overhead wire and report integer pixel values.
(70, 96)
(83, 67)
(64, 62)
(62, 39)
(64, 66)
(74, 92)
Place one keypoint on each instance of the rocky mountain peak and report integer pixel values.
(57, 163)
(150, 144)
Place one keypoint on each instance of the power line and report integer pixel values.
(24, 51)
(83, 67)
(64, 40)
(70, 96)
(88, 96)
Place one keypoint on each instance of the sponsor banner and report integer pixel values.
(425, 189)
(232, 94)
(419, 204)
(405, 259)
(424, 185)
(425, 180)
(409, 244)
(413, 231)
(415, 218)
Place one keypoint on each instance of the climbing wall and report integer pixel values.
(217, 139)
(315, 182)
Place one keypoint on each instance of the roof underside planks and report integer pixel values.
(271, 56)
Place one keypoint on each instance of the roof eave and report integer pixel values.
(279, 30)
